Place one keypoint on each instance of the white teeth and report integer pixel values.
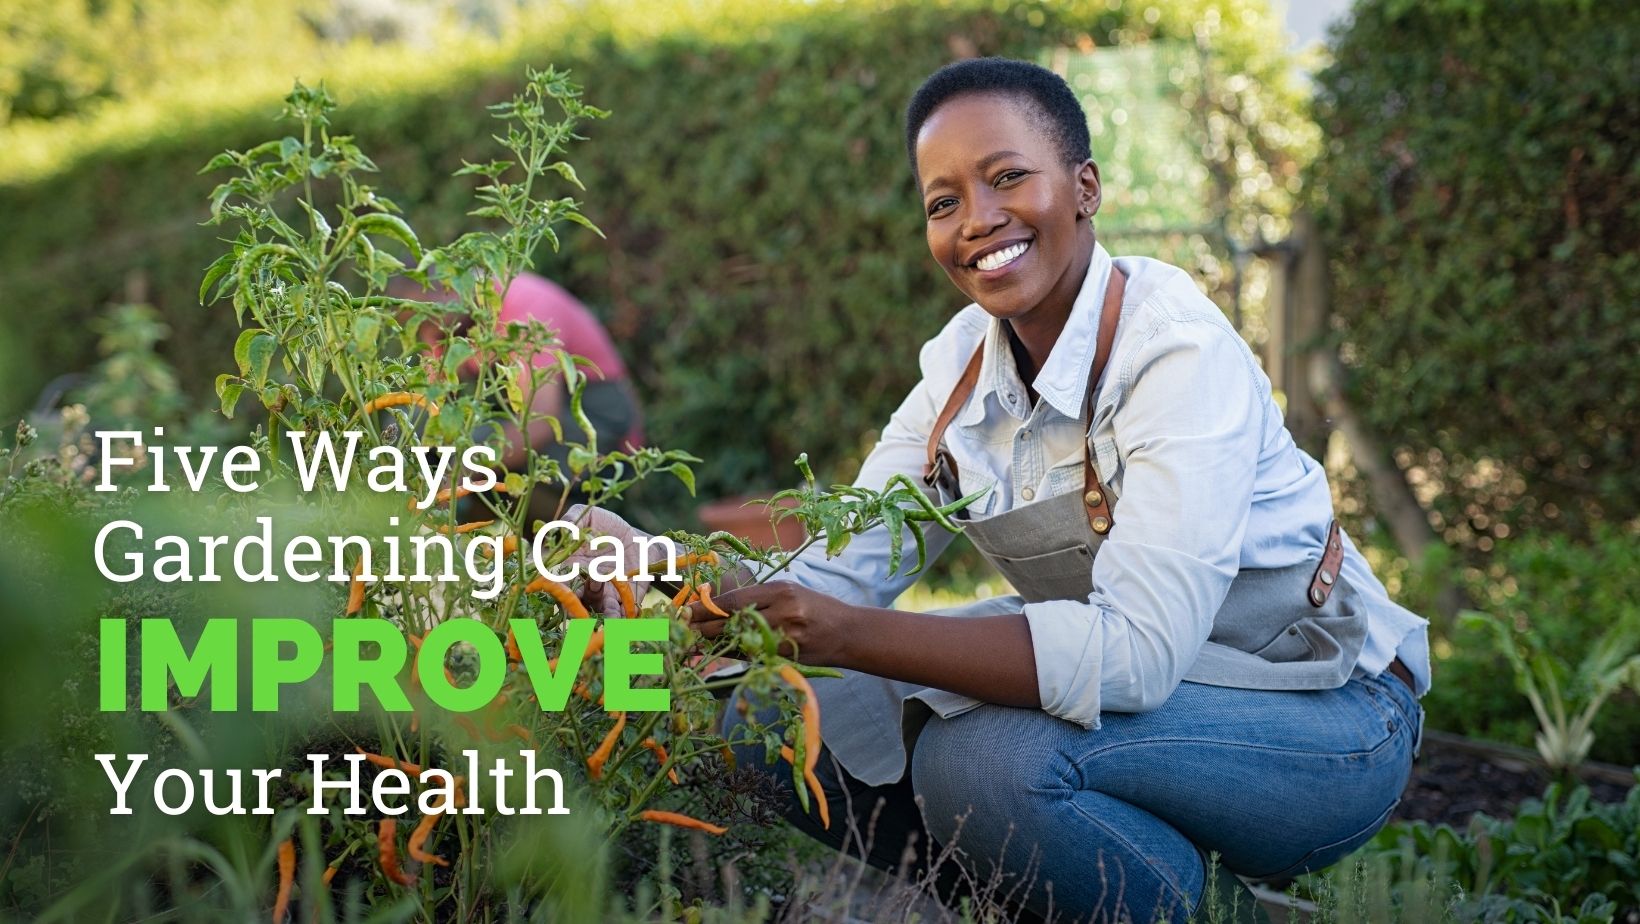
(1002, 257)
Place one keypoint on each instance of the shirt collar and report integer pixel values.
(1063, 379)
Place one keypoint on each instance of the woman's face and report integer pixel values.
(1005, 214)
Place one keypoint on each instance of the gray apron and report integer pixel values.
(1295, 628)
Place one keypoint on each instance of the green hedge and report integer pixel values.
(764, 267)
(1482, 190)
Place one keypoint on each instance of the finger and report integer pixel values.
(710, 628)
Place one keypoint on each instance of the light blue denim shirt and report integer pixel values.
(1188, 439)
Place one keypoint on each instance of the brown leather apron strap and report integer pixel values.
(1326, 573)
(937, 456)
(1095, 496)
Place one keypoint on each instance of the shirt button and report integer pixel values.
(1011, 399)
(1027, 493)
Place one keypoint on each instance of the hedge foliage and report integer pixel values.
(764, 267)
(1481, 183)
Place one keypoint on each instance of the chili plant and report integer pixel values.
(325, 350)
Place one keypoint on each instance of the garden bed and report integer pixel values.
(1456, 777)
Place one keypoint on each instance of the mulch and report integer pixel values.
(1455, 778)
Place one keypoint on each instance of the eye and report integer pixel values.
(1009, 176)
(940, 205)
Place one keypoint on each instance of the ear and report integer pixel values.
(1089, 191)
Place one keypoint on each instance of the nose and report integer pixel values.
(983, 216)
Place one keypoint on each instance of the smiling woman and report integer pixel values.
(1198, 659)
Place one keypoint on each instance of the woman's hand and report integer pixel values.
(596, 521)
(816, 626)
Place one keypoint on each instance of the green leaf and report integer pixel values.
(228, 390)
(515, 483)
(684, 474)
(366, 332)
(215, 272)
(225, 159)
(584, 222)
(563, 169)
(457, 353)
(260, 354)
(242, 348)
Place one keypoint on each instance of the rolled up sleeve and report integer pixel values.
(1188, 435)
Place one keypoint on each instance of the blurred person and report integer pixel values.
(608, 400)
(1197, 660)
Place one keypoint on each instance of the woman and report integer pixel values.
(1197, 660)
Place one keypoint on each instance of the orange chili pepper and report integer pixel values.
(419, 837)
(522, 734)
(449, 494)
(685, 596)
(387, 852)
(706, 601)
(813, 784)
(398, 399)
(660, 754)
(595, 763)
(509, 545)
(391, 763)
(811, 715)
(629, 603)
(728, 756)
(514, 656)
(819, 798)
(355, 589)
(330, 873)
(447, 529)
(682, 821)
(287, 878)
(684, 562)
(565, 597)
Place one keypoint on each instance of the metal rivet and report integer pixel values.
(1010, 399)
(1292, 630)
(1101, 525)
(1317, 596)
(1028, 493)
(1327, 578)
(1093, 498)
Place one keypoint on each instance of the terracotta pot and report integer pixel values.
(750, 521)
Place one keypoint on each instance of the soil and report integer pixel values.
(1454, 779)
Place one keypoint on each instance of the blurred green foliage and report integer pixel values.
(1481, 203)
(764, 268)
(1566, 595)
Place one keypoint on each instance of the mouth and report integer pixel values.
(1001, 258)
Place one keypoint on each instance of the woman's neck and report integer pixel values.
(1033, 334)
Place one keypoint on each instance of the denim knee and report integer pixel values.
(982, 786)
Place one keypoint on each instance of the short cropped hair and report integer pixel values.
(1058, 111)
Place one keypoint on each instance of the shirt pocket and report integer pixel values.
(1066, 476)
(971, 477)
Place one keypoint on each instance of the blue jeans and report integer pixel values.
(1115, 822)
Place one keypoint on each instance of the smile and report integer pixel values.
(998, 259)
